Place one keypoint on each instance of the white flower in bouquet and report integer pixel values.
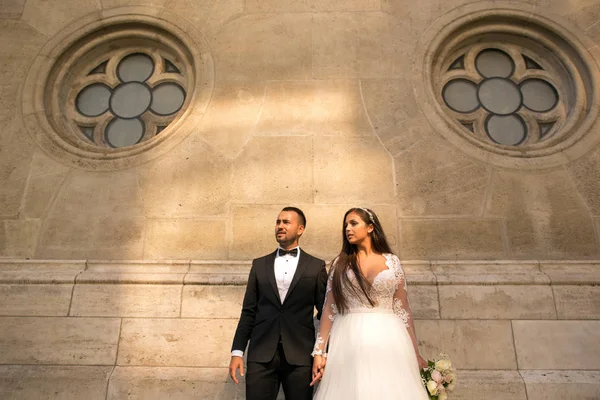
(432, 387)
(442, 396)
(443, 365)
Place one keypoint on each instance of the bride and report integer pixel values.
(366, 322)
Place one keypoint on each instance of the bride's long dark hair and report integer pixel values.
(347, 260)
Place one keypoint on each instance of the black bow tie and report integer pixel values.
(292, 252)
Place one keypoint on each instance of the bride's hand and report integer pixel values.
(318, 369)
(422, 362)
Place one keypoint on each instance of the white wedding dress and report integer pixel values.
(371, 353)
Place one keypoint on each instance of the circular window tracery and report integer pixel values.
(136, 89)
(501, 97)
(111, 92)
(509, 87)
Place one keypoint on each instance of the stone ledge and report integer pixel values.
(144, 272)
(572, 272)
(232, 272)
(561, 385)
(40, 271)
(218, 273)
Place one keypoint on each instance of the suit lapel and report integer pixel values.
(270, 267)
(302, 264)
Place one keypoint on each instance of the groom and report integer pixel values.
(283, 290)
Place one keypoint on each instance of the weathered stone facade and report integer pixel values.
(321, 104)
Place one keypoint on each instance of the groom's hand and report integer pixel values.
(235, 364)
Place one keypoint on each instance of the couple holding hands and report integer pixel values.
(365, 346)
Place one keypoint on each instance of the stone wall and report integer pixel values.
(312, 103)
(322, 104)
(152, 330)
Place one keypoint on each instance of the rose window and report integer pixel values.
(128, 99)
(504, 95)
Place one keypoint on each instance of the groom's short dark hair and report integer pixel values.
(297, 211)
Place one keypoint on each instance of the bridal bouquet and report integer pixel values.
(439, 378)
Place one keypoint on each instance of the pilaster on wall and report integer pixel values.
(112, 329)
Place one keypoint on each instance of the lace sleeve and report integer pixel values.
(400, 304)
(327, 319)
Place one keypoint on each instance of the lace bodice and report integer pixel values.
(388, 291)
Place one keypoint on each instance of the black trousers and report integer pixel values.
(263, 379)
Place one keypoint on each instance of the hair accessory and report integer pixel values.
(371, 218)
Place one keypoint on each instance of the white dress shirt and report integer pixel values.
(285, 268)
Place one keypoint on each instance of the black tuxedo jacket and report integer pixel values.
(265, 319)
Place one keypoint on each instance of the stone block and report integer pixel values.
(492, 385)
(11, 8)
(142, 383)
(260, 220)
(466, 341)
(18, 237)
(212, 301)
(424, 301)
(572, 272)
(497, 302)
(40, 271)
(257, 172)
(39, 300)
(360, 45)
(231, 115)
(594, 30)
(419, 16)
(190, 181)
(39, 382)
(122, 3)
(394, 112)
(126, 301)
(45, 180)
(353, 170)
(50, 17)
(208, 15)
(105, 193)
(288, 6)
(584, 14)
(218, 272)
(176, 342)
(264, 47)
(498, 272)
(92, 236)
(434, 178)
(15, 161)
(545, 216)
(319, 108)
(39, 340)
(9, 98)
(185, 239)
(20, 42)
(561, 385)
(96, 215)
(583, 171)
(577, 302)
(557, 344)
(448, 238)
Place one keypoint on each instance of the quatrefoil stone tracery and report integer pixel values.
(502, 99)
(133, 107)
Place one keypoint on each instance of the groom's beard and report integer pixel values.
(284, 239)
